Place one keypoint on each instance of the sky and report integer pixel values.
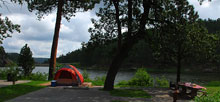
(38, 34)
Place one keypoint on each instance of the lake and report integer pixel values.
(122, 75)
(199, 78)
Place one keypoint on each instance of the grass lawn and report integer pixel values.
(130, 93)
(12, 91)
(213, 93)
(213, 87)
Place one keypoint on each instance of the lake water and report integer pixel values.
(126, 75)
(122, 75)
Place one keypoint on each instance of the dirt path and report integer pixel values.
(6, 83)
(65, 94)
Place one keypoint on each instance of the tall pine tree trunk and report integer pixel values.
(52, 65)
(129, 17)
(125, 48)
(116, 4)
(179, 58)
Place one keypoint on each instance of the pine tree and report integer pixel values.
(26, 60)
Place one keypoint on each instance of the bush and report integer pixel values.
(12, 71)
(85, 75)
(38, 76)
(162, 82)
(209, 98)
(3, 73)
(99, 81)
(141, 78)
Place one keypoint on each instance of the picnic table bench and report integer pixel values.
(194, 88)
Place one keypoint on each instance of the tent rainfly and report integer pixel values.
(68, 75)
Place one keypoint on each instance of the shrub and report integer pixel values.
(38, 76)
(209, 98)
(3, 73)
(12, 71)
(162, 82)
(99, 81)
(85, 75)
(141, 78)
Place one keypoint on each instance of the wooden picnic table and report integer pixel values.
(191, 86)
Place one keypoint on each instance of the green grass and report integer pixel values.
(213, 87)
(12, 91)
(130, 93)
(213, 93)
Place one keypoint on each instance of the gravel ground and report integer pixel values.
(67, 94)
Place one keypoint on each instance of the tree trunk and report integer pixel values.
(178, 71)
(116, 63)
(116, 4)
(52, 65)
(125, 48)
(129, 17)
(179, 58)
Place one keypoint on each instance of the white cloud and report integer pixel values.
(66, 46)
(207, 9)
(39, 34)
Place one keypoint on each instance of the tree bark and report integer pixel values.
(116, 4)
(116, 63)
(52, 65)
(129, 17)
(123, 53)
(179, 58)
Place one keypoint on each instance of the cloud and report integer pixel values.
(207, 9)
(39, 34)
(77, 28)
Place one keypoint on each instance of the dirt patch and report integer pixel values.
(46, 84)
(6, 83)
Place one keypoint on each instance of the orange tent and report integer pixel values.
(68, 75)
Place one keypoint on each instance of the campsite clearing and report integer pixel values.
(62, 94)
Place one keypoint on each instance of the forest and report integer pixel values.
(98, 54)
(132, 34)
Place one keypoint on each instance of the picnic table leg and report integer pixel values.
(194, 93)
(175, 95)
(183, 90)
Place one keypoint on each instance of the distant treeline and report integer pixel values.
(101, 54)
(13, 57)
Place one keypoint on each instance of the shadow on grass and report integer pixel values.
(136, 93)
